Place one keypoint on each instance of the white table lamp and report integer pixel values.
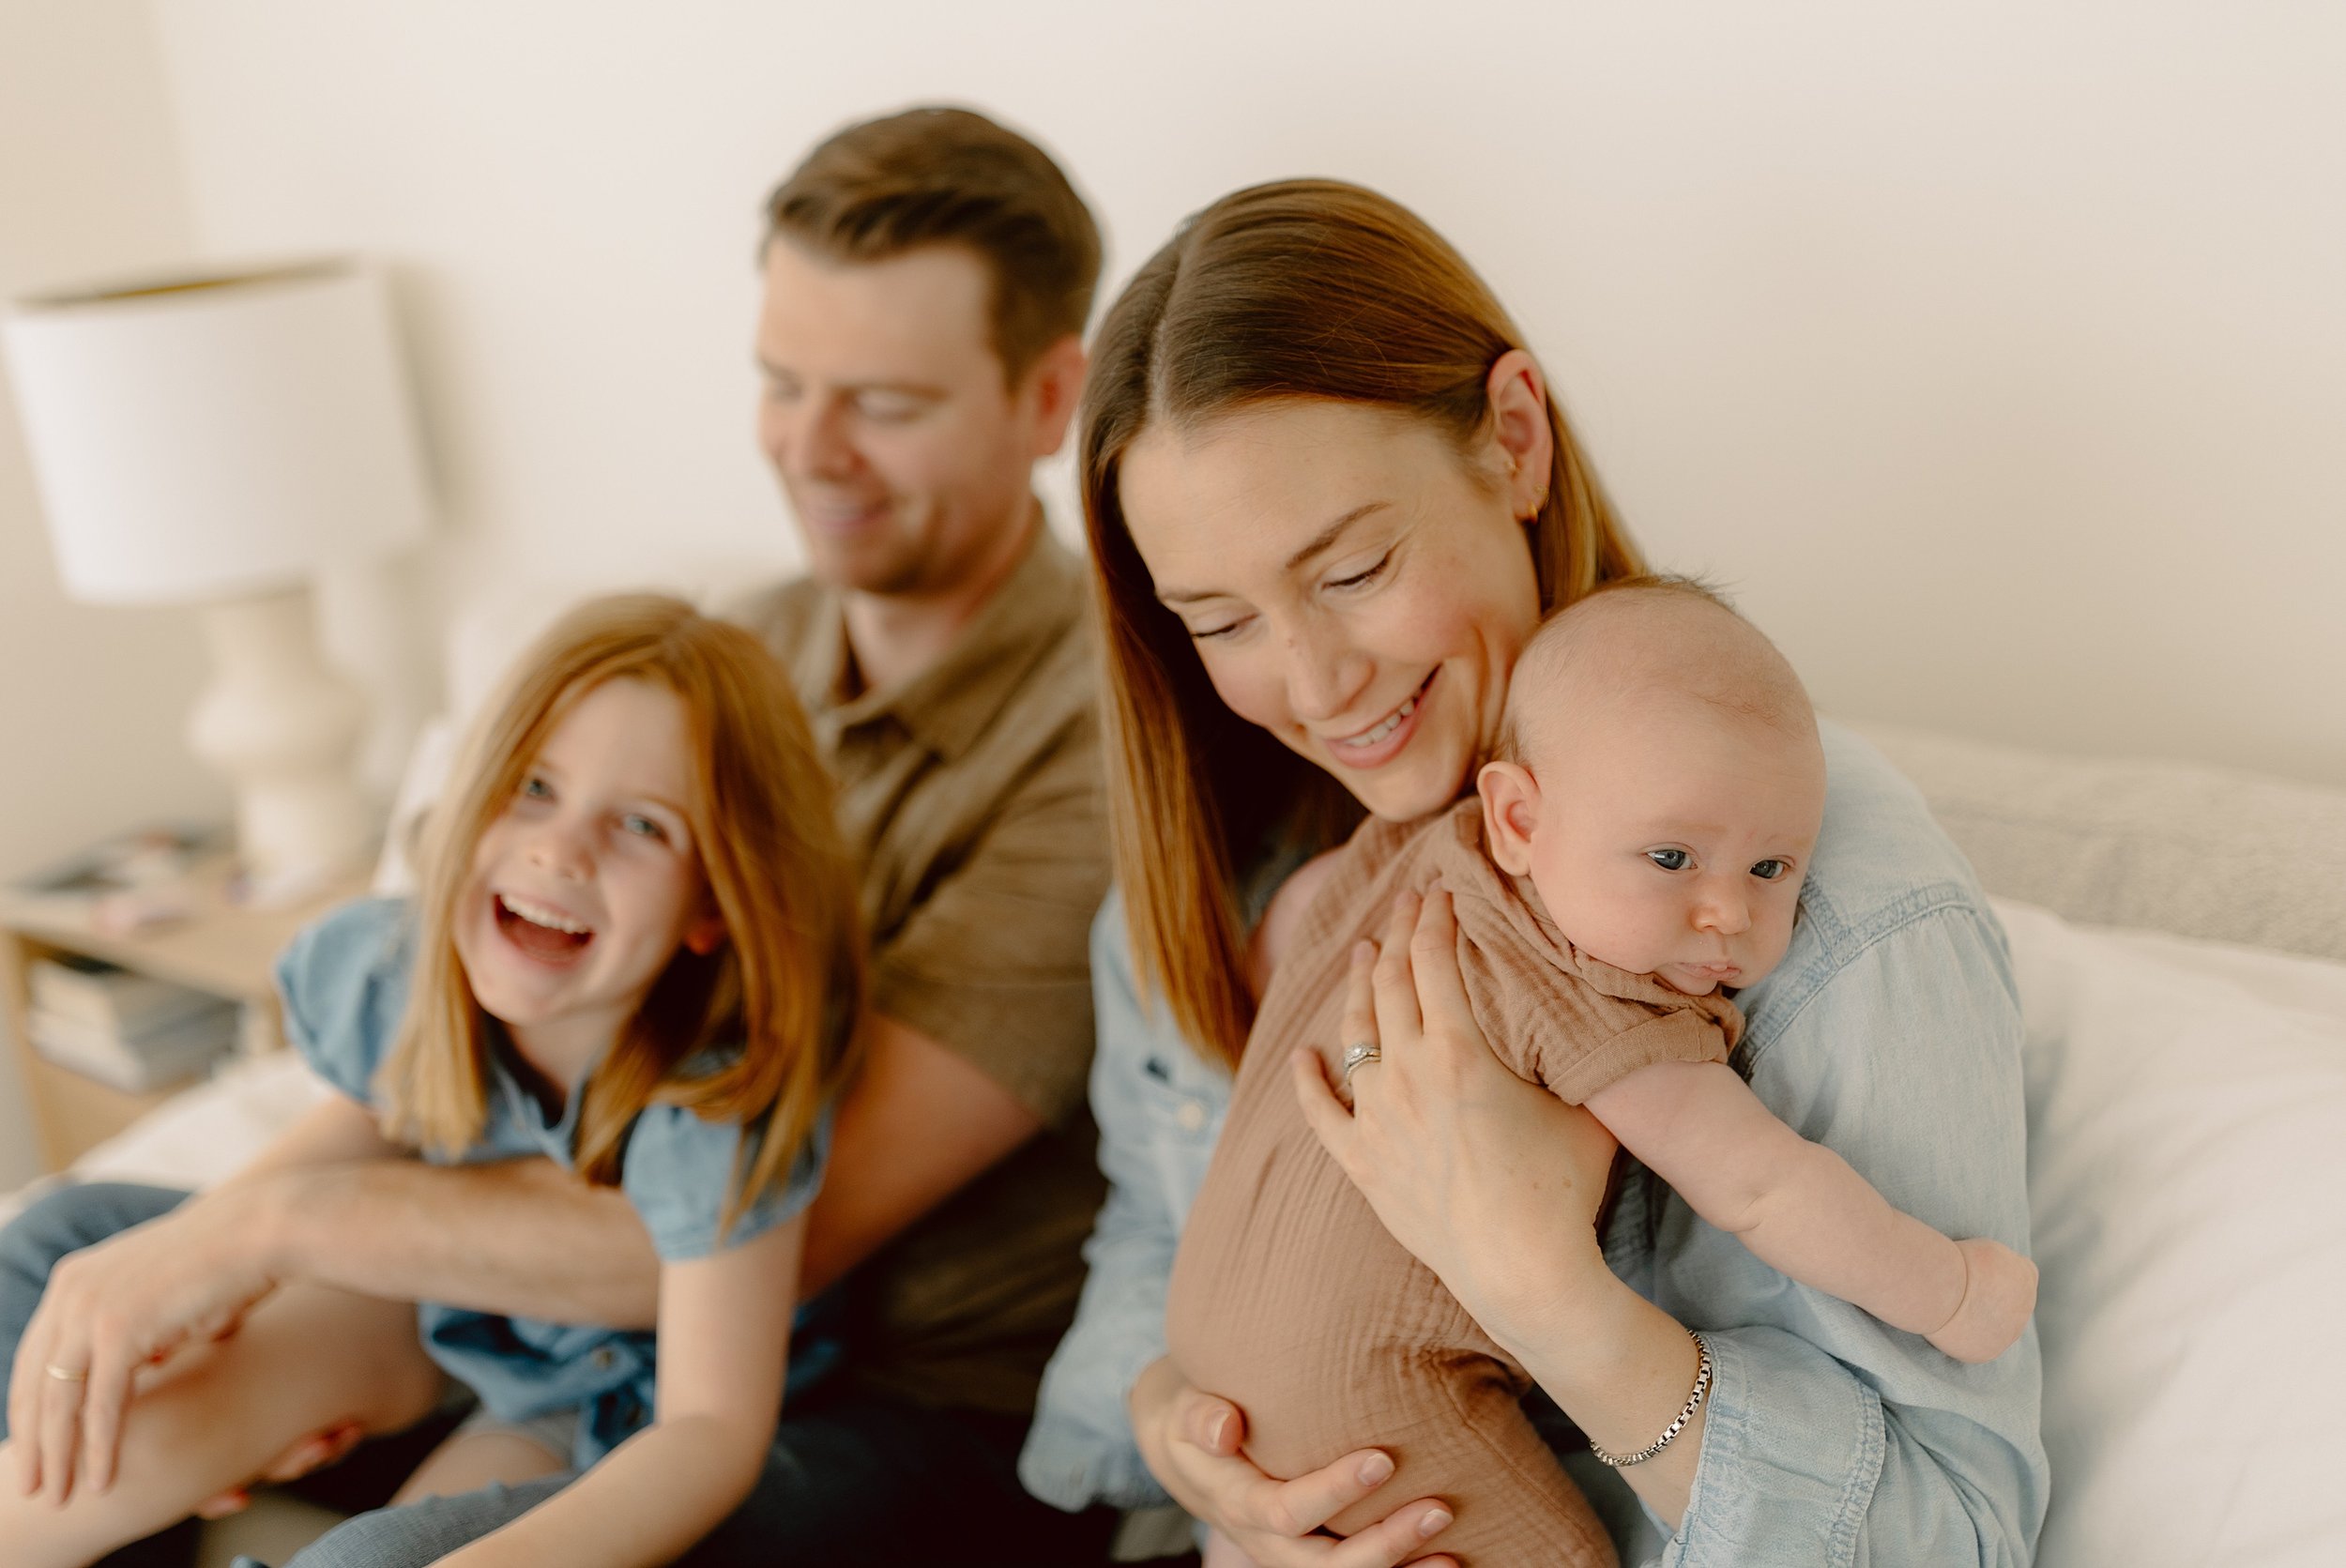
(220, 439)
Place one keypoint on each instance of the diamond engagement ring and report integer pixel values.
(65, 1374)
(1356, 1056)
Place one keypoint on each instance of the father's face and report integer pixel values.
(886, 414)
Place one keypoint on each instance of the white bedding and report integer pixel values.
(2187, 1180)
(2187, 1174)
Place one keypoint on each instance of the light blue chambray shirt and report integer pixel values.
(1891, 1033)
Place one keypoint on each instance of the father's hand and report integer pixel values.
(1192, 1441)
(129, 1302)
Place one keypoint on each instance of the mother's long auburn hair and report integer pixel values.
(1297, 289)
(787, 982)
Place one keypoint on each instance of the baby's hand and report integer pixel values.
(1221, 1553)
(1999, 1295)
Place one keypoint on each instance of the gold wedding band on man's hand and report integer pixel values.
(67, 1374)
(1356, 1057)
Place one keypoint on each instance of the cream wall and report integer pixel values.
(91, 700)
(1993, 353)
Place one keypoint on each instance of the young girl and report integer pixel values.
(636, 951)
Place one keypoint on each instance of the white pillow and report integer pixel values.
(2187, 1180)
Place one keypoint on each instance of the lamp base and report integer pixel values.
(283, 727)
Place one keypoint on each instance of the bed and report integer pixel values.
(2180, 937)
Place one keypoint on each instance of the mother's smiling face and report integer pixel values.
(1353, 582)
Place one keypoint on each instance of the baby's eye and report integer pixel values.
(1669, 859)
(1768, 871)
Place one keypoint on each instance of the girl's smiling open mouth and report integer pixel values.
(539, 931)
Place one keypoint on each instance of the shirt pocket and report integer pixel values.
(1185, 1101)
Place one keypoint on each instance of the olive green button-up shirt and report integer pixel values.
(972, 796)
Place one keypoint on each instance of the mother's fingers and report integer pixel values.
(1323, 1113)
(1396, 1540)
(1397, 1018)
(1440, 987)
(1297, 1507)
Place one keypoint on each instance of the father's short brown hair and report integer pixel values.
(949, 177)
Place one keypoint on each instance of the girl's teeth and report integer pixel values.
(536, 914)
(1390, 723)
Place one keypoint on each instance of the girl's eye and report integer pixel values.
(1362, 578)
(1768, 871)
(535, 788)
(641, 827)
(1669, 859)
(1207, 633)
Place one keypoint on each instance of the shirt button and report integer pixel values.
(1192, 1116)
(604, 1358)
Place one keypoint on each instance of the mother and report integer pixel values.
(1329, 498)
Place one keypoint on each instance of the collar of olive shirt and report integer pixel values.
(949, 704)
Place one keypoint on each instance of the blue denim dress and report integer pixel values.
(345, 984)
(1890, 1033)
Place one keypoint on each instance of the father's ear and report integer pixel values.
(1510, 811)
(1052, 384)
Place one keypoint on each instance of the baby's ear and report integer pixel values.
(1511, 813)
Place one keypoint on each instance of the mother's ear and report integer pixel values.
(1521, 428)
(1511, 813)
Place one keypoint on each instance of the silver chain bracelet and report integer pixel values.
(1694, 1403)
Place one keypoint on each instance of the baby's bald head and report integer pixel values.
(1646, 647)
(1661, 782)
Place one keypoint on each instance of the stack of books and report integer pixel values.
(125, 1030)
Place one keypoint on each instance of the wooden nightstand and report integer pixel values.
(222, 949)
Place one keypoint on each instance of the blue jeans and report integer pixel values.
(851, 1478)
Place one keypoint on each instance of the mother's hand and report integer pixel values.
(1492, 1183)
(1192, 1441)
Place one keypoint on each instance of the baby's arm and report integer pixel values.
(724, 1336)
(1802, 1209)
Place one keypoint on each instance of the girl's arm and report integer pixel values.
(135, 1299)
(725, 1338)
(1800, 1210)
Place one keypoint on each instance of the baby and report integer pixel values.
(1651, 815)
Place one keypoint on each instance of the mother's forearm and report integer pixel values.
(1622, 1369)
(523, 1238)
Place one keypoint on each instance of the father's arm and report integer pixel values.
(984, 1030)
(528, 1239)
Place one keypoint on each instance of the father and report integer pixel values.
(927, 279)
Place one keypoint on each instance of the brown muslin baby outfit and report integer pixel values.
(1291, 1299)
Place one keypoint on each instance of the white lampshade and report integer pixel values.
(217, 436)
